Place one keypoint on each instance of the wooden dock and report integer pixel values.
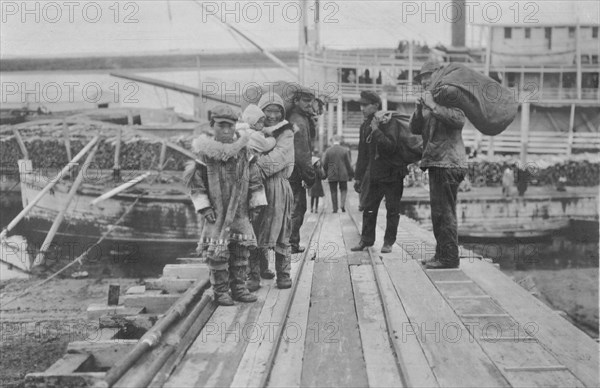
(357, 319)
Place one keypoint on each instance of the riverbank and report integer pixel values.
(35, 330)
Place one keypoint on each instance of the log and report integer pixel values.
(61, 215)
(122, 188)
(21, 143)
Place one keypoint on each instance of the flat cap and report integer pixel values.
(369, 97)
(222, 113)
(428, 67)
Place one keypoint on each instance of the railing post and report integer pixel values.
(571, 128)
(524, 132)
(329, 121)
(340, 112)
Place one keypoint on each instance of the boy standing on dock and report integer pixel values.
(445, 157)
(227, 191)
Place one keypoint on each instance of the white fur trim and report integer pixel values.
(258, 198)
(208, 147)
(201, 201)
(270, 130)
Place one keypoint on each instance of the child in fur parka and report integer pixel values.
(227, 191)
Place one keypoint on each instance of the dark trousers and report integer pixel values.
(443, 189)
(298, 212)
(314, 203)
(392, 191)
(343, 191)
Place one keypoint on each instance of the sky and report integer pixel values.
(89, 28)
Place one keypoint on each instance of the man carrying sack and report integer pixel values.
(445, 157)
(379, 173)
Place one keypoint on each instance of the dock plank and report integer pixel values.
(417, 372)
(382, 370)
(571, 347)
(255, 361)
(287, 367)
(332, 322)
(211, 361)
(457, 361)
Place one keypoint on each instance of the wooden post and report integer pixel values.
(340, 112)
(65, 128)
(114, 290)
(330, 119)
(488, 63)
(61, 215)
(163, 155)
(411, 63)
(198, 103)
(571, 129)
(48, 187)
(488, 52)
(524, 133)
(578, 58)
(117, 160)
(321, 132)
(21, 143)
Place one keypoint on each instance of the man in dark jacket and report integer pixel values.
(379, 173)
(301, 116)
(338, 170)
(445, 157)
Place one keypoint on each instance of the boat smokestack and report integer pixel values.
(458, 19)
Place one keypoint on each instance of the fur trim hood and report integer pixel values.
(206, 146)
(271, 99)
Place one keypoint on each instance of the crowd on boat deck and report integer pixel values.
(250, 180)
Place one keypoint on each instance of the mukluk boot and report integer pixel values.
(237, 282)
(220, 284)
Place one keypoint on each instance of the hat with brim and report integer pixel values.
(223, 114)
(427, 68)
(368, 97)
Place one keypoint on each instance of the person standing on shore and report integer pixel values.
(445, 158)
(379, 173)
(338, 170)
(303, 175)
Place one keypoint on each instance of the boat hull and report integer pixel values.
(153, 219)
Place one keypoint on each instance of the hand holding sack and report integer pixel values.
(410, 146)
(487, 104)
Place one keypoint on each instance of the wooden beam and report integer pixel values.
(61, 214)
(67, 139)
(21, 143)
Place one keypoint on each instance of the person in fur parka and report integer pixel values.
(227, 191)
(274, 225)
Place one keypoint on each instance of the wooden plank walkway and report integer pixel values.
(367, 319)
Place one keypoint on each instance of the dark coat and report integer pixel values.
(378, 153)
(303, 169)
(337, 164)
(441, 130)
